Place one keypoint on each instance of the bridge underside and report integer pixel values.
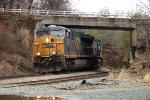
(93, 27)
(92, 23)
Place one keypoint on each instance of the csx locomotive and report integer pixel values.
(58, 48)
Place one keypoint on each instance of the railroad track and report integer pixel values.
(56, 80)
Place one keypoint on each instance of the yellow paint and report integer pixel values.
(42, 45)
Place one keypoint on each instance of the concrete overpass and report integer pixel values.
(91, 23)
(82, 20)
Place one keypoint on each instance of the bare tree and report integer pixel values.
(53, 4)
(142, 18)
(40, 4)
(30, 2)
(143, 14)
(104, 12)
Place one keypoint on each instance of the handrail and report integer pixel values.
(65, 13)
(1, 9)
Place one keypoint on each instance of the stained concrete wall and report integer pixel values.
(89, 21)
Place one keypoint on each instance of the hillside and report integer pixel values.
(16, 33)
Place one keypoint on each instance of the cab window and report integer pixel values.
(57, 32)
(68, 34)
(42, 33)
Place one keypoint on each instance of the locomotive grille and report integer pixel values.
(48, 45)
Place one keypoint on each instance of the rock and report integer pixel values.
(83, 82)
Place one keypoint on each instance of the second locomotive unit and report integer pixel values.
(57, 48)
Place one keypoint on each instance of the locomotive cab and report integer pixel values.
(48, 41)
(56, 48)
(48, 45)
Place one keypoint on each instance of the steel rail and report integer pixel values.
(56, 80)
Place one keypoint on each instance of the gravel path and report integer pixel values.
(93, 89)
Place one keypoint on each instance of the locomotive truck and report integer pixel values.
(57, 48)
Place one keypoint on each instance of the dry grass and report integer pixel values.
(10, 44)
(14, 64)
(111, 76)
(16, 36)
(123, 74)
(146, 78)
(17, 33)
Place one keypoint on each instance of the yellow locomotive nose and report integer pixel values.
(47, 46)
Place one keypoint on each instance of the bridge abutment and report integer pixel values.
(133, 38)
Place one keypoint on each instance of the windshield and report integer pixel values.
(42, 33)
(53, 31)
(58, 32)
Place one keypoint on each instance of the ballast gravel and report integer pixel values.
(89, 89)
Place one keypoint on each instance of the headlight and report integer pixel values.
(47, 40)
(36, 44)
(54, 52)
(38, 53)
(59, 42)
(38, 97)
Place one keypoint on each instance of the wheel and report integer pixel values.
(37, 67)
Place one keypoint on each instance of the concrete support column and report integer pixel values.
(134, 36)
(37, 26)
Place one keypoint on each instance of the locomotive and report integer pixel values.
(57, 48)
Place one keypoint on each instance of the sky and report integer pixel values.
(112, 5)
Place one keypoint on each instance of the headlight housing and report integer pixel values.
(47, 39)
(54, 52)
(36, 44)
(38, 53)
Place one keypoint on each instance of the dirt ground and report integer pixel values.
(14, 65)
